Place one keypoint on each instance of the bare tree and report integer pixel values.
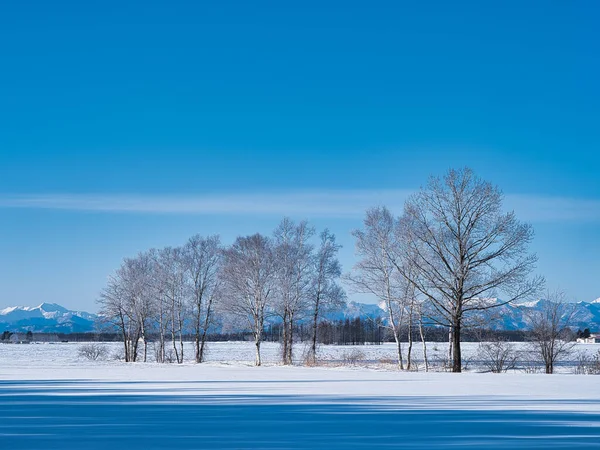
(162, 305)
(551, 338)
(497, 355)
(202, 259)
(326, 294)
(249, 277)
(93, 351)
(126, 303)
(114, 311)
(375, 273)
(293, 255)
(141, 273)
(173, 272)
(466, 250)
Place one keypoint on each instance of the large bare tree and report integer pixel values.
(465, 249)
(249, 277)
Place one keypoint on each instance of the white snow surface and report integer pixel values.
(51, 398)
(59, 370)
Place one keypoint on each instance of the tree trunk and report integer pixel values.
(180, 326)
(257, 343)
(205, 332)
(424, 345)
(202, 347)
(396, 331)
(181, 347)
(174, 342)
(197, 356)
(410, 340)
(124, 332)
(290, 355)
(160, 355)
(145, 340)
(134, 349)
(449, 347)
(399, 350)
(313, 348)
(284, 339)
(197, 347)
(456, 355)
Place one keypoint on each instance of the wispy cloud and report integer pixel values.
(312, 203)
(340, 203)
(554, 209)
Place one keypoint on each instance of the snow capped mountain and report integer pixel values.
(355, 309)
(53, 318)
(504, 317)
(516, 316)
(46, 318)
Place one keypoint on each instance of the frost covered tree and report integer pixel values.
(126, 303)
(293, 264)
(202, 260)
(114, 310)
(249, 281)
(465, 249)
(172, 269)
(550, 337)
(376, 272)
(325, 294)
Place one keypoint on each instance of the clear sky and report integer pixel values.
(130, 125)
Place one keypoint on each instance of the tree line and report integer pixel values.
(451, 251)
(440, 262)
(167, 292)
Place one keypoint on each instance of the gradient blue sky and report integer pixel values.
(129, 125)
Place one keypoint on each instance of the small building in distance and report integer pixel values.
(592, 339)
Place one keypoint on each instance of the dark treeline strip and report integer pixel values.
(356, 331)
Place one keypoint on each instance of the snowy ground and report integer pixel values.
(51, 398)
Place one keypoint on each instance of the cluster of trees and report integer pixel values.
(585, 334)
(451, 251)
(355, 331)
(7, 336)
(439, 263)
(166, 293)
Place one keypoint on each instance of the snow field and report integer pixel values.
(52, 398)
(382, 356)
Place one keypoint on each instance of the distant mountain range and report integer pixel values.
(53, 318)
(514, 316)
(46, 318)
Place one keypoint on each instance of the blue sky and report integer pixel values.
(129, 126)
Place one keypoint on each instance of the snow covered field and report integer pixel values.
(372, 356)
(51, 398)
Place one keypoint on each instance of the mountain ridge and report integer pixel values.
(54, 318)
(46, 318)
